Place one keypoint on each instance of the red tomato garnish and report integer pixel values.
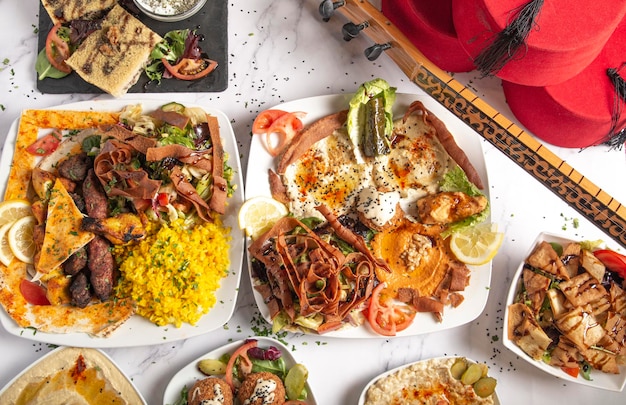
(612, 260)
(33, 293)
(57, 50)
(278, 124)
(572, 371)
(190, 69)
(163, 199)
(385, 318)
(46, 144)
(245, 363)
(265, 119)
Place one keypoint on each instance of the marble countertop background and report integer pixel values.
(280, 50)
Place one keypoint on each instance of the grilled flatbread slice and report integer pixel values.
(63, 235)
(113, 57)
(63, 11)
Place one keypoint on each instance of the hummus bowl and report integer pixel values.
(428, 380)
(53, 379)
(598, 379)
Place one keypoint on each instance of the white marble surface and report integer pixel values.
(280, 50)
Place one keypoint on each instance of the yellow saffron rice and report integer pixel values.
(173, 274)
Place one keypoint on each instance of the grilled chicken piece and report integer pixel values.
(449, 207)
(119, 229)
(536, 287)
(545, 258)
(581, 327)
(525, 332)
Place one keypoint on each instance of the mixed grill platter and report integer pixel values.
(138, 331)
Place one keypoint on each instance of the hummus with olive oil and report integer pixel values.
(425, 382)
(71, 376)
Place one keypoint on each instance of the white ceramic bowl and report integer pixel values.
(169, 10)
(611, 382)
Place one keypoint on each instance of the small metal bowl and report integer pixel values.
(169, 10)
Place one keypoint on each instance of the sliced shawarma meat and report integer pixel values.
(300, 143)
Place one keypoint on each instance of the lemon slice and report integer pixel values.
(20, 238)
(6, 254)
(12, 210)
(476, 245)
(258, 214)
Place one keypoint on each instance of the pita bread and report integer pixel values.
(64, 11)
(63, 235)
(113, 57)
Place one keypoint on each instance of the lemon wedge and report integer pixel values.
(6, 254)
(258, 214)
(12, 210)
(20, 238)
(476, 245)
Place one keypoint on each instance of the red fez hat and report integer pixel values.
(585, 110)
(535, 43)
(428, 25)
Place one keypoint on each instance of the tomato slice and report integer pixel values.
(46, 144)
(572, 371)
(278, 127)
(33, 293)
(190, 69)
(612, 260)
(265, 119)
(385, 318)
(57, 50)
(246, 364)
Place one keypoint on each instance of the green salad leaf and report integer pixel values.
(456, 180)
(45, 69)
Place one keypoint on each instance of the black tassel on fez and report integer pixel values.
(617, 136)
(507, 42)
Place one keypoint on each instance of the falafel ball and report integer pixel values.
(262, 388)
(210, 388)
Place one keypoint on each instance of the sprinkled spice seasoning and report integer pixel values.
(168, 7)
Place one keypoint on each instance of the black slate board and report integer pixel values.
(210, 22)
